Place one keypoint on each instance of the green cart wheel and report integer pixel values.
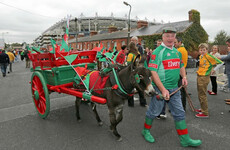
(40, 94)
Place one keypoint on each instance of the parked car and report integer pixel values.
(191, 62)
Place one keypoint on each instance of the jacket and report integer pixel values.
(4, 58)
(11, 56)
(226, 59)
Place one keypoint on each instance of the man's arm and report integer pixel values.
(157, 81)
(226, 58)
(183, 75)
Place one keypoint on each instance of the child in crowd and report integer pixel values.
(203, 78)
(120, 57)
(213, 76)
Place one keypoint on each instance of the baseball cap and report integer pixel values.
(169, 30)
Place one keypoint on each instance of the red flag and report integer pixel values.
(98, 49)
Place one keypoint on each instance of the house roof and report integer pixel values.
(157, 29)
(150, 30)
(104, 36)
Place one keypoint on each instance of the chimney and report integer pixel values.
(92, 33)
(112, 29)
(142, 23)
(194, 16)
(80, 35)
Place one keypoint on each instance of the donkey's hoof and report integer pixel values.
(100, 123)
(119, 139)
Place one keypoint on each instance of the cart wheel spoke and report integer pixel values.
(34, 83)
(43, 99)
(33, 88)
(41, 92)
(42, 108)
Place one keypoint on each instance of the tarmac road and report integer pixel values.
(22, 129)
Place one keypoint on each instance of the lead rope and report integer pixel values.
(159, 96)
(190, 101)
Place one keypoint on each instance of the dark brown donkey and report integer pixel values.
(130, 77)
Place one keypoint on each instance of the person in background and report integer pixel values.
(159, 41)
(138, 45)
(151, 51)
(11, 57)
(16, 55)
(165, 77)
(215, 52)
(148, 54)
(142, 100)
(227, 67)
(22, 55)
(133, 52)
(26, 52)
(121, 55)
(4, 61)
(179, 45)
(207, 61)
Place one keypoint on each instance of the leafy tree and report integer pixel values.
(220, 38)
(16, 44)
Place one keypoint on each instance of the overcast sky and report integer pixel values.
(24, 20)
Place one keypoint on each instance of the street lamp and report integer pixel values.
(75, 21)
(130, 7)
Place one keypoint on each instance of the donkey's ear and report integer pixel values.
(137, 60)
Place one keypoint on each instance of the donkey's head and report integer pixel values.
(140, 77)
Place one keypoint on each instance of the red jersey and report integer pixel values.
(120, 57)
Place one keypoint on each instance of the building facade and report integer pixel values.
(84, 26)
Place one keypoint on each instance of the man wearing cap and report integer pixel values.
(166, 65)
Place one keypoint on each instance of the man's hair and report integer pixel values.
(203, 45)
(228, 40)
(179, 39)
(159, 40)
(123, 47)
(134, 38)
(216, 47)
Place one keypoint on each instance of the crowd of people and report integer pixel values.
(167, 64)
(8, 58)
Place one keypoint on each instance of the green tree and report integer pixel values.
(220, 38)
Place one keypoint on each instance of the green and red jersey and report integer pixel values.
(167, 63)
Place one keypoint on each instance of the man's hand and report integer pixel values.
(165, 94)
(184, 81)
(212, 72)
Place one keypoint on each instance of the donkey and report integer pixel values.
(132, 76)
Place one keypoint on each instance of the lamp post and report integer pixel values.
(75, 20)
(130, 7)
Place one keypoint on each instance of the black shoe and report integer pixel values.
(143, 105)
(8, 72)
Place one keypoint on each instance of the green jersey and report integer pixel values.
(167, 63)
